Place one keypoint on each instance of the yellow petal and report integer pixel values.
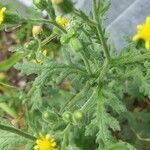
(136, 37)
(147, 45)
(148, 20)
(139, 27)
(54, 144)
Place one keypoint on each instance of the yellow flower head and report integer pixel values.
(144, 33)
(2, 15)
(62, 21)
(45, 143)
(37, 30)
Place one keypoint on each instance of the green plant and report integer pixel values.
(80, 93)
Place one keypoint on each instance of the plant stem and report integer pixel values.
(89, 102)
(103, 72)
(86, 62)
(8, 86)
(48, 39)
(100, 32)
(65, 137)
(78, 96)
(17, 131)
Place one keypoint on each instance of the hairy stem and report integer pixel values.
(101, 35)
(48, 39)
(89, 102)
(17, 131)
(66, 137)
(86, 62)
(79, 96)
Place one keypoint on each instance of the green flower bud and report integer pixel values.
(67, 116)
(64, 6)
(76, 44)
(30, 45)
(50, 116)
(65, 38)
(41, 4)
(78, 117)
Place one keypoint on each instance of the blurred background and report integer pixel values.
(123, 16)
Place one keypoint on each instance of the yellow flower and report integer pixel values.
(2, 15)
(62, 21)
(144, 33)
(45, 143)
(37, 30)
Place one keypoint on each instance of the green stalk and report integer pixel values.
(48, 39)
(89, 102)
(86, 62)
(78, 96)
(100, 32)
(66, 137)
(7, 64)
(103, 72)
(17, 131)
(7, 85)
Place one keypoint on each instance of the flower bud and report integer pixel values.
(62, 21)
(30, 45)
(78, 116)
(67, 116)
(64, 6)
(76, 44)
(50, 116)
(36, 31)
(41, 4)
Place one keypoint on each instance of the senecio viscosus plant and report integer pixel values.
(76, 101)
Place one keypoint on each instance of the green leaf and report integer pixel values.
(10, 141)
(7, 64)
(29, 68)
(120, 146)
